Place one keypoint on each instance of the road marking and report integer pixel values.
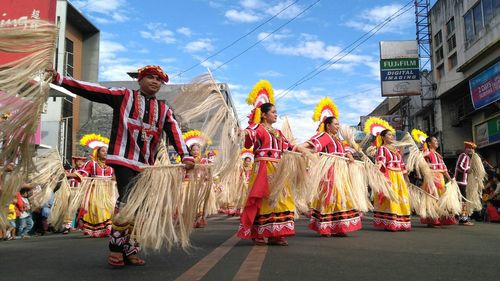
(250, 269)
(197, 271)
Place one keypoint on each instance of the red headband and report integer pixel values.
(152, 70)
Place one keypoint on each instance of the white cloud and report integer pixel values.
(248, 11)
(168, 60)
(289, 13)
(199, 45)
(309, 46)
(185, 31)
(369, 18)
(109, 11)
(270, 73)
(241, 16)
(158, 33)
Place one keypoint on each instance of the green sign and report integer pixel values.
(402, 63)
(488, 132)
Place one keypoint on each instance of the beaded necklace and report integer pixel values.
(146, 134)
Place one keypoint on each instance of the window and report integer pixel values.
(469, 27)
(438, 39)
(439, 54)
(440, 71)
(452, 61)
(450, 26)
(452, 43)
(488, 10)
(68, 65)
(478, 18)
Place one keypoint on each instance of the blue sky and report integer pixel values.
(180, 34)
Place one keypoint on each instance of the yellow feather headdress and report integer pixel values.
(196, 137)
(419, 137)
(325, 108)
(94, 141)
(261, 93)
(247, 152)
(375, 126)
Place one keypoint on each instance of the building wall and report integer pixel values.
(455, 114)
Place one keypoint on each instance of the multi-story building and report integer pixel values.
(77, 55)
(465, 61)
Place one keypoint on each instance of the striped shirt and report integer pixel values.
(462, 167)
(133, 113)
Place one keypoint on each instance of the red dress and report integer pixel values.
(94, 218)
(259, 219)
(332, 217)
(438, 167)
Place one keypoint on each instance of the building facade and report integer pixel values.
(77, 55)
(465, 62)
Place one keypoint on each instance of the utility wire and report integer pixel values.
(329, 62)
(237, 40)
(265, 37)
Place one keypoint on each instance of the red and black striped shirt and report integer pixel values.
(126, 147)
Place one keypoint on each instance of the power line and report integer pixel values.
(265, 37)
(237, 40)
(329, 62)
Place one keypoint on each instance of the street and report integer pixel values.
(450, 253)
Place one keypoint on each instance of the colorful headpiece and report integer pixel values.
(196, 137)
(154, 70)
(375, 126)
(470, 144)
(261, 93)
(325, 108)
(94, 142)
(247, 153)
(419, 137)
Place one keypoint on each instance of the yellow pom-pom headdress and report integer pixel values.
(94, 141)
(247, 153)
(419, 137)
(375, 126)
(324, 109)
(196, 137)
(261, 93)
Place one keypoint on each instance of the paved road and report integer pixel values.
(451, 253)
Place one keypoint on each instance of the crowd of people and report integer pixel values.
(139, 121)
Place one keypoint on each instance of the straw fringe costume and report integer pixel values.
(138, 123)
(259, 219)
(95, 215)
(329, 217)
(438, 168)
(74, 184)
(389, 214)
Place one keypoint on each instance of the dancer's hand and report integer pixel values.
(351, 159)
(51, 72)
(188, 164)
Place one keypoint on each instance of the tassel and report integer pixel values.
(450, 201)
(475, 184)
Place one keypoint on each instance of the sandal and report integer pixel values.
(277, 241)
(259, 241)
(467, 223)
(134, 260)
(116, 261)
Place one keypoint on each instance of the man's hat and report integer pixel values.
(78, 158)
(152, 70)
(470, 144)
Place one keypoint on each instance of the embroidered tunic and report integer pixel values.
(134, 115)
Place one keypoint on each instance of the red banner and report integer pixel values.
(16, 13)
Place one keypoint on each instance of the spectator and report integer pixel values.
(10, 232)
(24, 222)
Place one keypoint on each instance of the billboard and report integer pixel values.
(487, 132)
(485, 87)
(16, 13)
(399, 68)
